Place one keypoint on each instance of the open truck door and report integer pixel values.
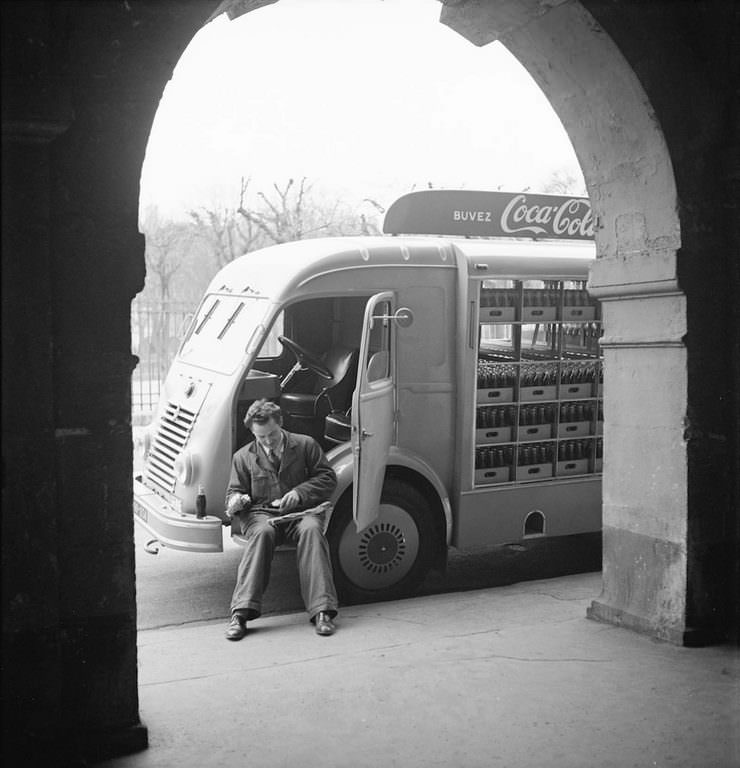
(373, 408)
(383, 546)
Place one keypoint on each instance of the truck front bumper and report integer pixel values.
(172, 528)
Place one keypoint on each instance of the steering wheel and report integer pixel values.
(305, 358)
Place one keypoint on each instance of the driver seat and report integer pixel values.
(325, 395)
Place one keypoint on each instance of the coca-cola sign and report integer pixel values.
(469, 213)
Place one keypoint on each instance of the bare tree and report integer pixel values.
(293, 212)
(287, 212)
(283, 218)
(228, 235)
(561, 182)
(167, 246)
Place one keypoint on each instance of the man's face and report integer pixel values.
(268, 434)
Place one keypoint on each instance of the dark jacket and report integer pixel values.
(303, 468)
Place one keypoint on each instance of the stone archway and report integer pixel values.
(644, 102)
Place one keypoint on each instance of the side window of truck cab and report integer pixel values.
(271, 347)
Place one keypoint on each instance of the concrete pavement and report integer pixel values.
(507, 676)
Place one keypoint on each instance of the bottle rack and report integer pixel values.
(539, 389)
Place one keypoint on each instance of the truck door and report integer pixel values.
(373, 408)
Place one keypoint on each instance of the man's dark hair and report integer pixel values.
(261, 411)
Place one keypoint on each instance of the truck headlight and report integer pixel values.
(186, 468)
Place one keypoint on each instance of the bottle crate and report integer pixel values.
(497, 304)
(496, 314)
(527, 432)
(491, 435)
(538, 314)
(534, 462)
(494, 395)
(576, 391)
(535, 394)
(534, 471)
(579, 313)
(574, 428)
(572, 467)
(493, 475)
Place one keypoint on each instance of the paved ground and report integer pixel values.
(179, 587)
(503, 676)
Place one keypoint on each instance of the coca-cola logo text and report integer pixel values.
(571, 218)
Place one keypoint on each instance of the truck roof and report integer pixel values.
(269, 271)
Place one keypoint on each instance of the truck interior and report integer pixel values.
(311, 356)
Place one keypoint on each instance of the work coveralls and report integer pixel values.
(303, 468)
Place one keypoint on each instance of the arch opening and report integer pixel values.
(629, 177)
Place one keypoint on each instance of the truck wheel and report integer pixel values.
(388, 559)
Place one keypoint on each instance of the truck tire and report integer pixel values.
(390, 558)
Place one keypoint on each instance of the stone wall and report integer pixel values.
(81, 84)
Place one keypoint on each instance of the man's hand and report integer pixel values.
(236, 504)
(290, 501)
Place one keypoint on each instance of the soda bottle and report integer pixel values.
(200, 503)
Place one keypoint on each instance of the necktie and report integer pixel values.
(274, 460)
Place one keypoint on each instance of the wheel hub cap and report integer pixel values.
(382, 554)
(382, 547)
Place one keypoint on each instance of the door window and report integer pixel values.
(378, 363)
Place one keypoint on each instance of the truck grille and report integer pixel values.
(174, 430)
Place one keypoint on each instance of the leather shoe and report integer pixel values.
(237, 627)
(323, 624)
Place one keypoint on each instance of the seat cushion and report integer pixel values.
(337, 427)
(298, 404)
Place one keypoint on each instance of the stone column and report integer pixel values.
(81, 84)
(645, 456)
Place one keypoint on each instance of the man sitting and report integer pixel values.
(280, 472)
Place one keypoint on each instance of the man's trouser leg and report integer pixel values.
(253, 573)
(314, 566)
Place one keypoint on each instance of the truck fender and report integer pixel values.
(341, 460)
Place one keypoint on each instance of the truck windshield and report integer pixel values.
(218, 335)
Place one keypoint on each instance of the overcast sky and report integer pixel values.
(365, 98)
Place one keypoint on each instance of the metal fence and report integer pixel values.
(156, 332)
